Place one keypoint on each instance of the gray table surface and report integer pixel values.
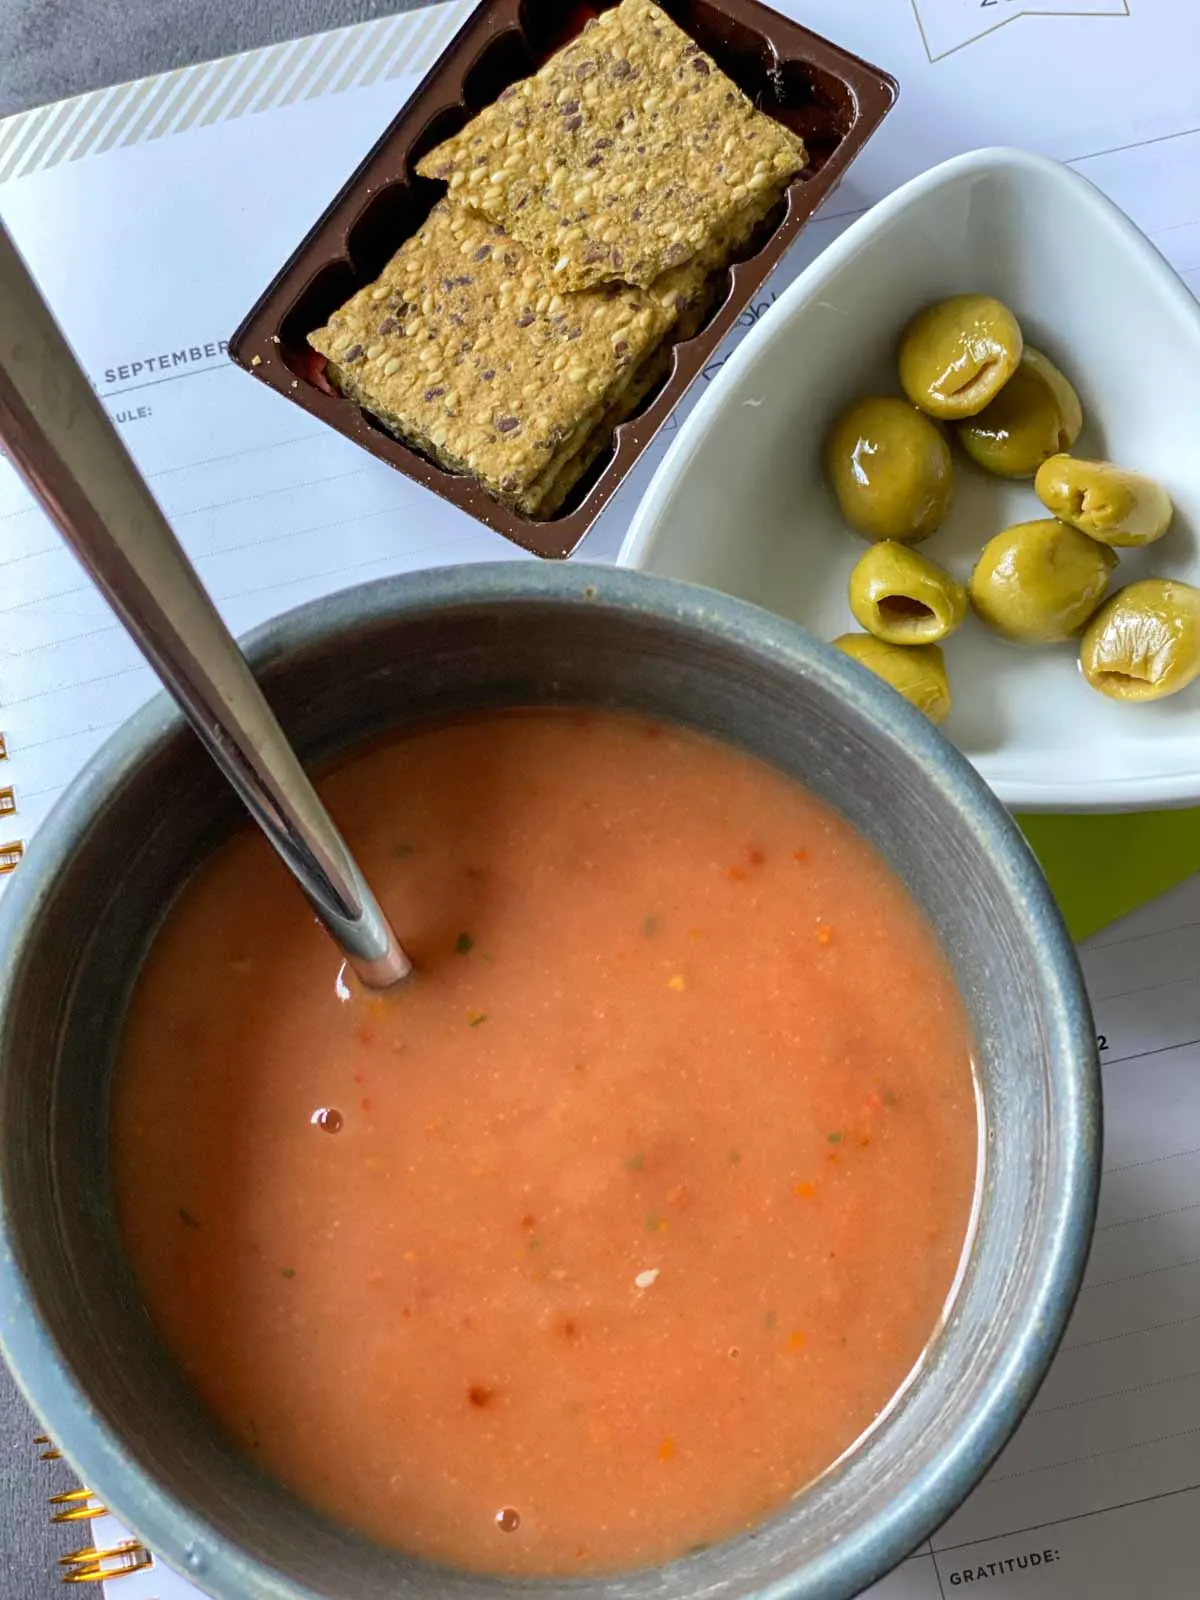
(50, 49)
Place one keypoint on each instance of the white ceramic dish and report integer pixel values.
(740, 503)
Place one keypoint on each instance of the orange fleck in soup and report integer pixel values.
(615, 1225)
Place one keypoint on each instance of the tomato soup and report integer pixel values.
(616, 1224)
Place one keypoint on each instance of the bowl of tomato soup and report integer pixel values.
(700, 1218)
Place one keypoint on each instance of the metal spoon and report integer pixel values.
(62, 442)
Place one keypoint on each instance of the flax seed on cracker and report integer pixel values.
(465, 349)
(622, 157)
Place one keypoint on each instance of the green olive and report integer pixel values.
(1039, 582)
(1145, 642)
(890, 468)
(918, 672)
(1063, 390)
(1036, 414)
(1105, 502)
(957, 355)
(900, 596)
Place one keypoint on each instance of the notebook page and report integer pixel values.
(150, 259)
(153, 215)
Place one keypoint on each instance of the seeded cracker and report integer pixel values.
(687, 292)
(464, 349)
(622, 157)
(553, 487)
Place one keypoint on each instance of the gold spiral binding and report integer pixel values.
(79, 1505)
(94, 1565)
(91, 1563)
(10, 853)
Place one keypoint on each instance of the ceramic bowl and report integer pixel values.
(77, 920)
(741, 503)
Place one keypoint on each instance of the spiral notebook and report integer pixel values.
(1099, 1490)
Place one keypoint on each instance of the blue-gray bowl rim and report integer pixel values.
(97, 1452)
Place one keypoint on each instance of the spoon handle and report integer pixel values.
(62, 442)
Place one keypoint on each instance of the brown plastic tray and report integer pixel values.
(831, 98)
